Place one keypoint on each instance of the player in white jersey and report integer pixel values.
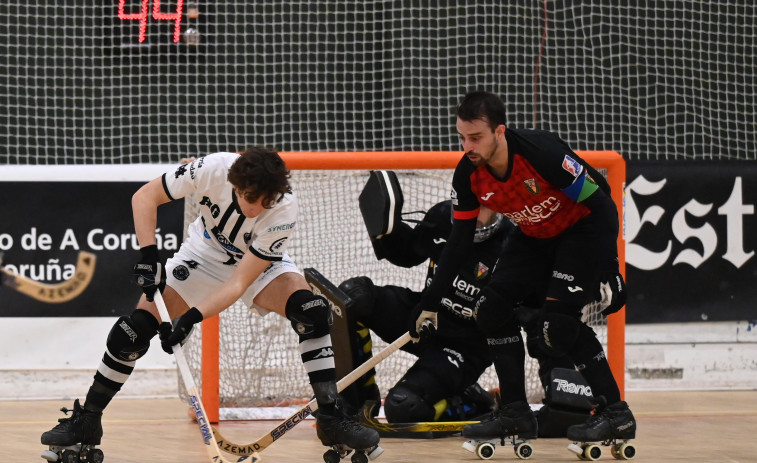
(236, 250)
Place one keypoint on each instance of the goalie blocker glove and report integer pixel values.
(148, 272)
(178, 332)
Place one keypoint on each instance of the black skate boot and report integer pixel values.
(74, 438)
(338, 430)
(514, 423)
(613, 426)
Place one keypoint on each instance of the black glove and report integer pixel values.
(149, 272)
(172, 334)
(422, 323)
(613, 293)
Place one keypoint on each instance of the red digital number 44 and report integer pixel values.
(144, 14)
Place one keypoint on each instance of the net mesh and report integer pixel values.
(664, 79)
(260, 363)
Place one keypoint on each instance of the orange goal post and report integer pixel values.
(247, 361)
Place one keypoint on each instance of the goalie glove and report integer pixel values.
(177, 332)
(423, 323)
(613, 294)
(148, 272)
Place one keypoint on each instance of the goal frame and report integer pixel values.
(612, 161)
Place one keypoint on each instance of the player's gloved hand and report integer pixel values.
(175, 333)
(149, 272)
(613, 293)
(423, 323)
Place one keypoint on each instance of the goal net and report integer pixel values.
(258, 359)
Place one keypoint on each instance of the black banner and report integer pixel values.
(690, 230)
(45, 225)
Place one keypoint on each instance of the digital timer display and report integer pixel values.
(146, 24)
(144, 15)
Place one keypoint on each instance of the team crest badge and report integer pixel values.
(482, 271)
(532, 186)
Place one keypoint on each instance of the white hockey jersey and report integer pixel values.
(222, 232)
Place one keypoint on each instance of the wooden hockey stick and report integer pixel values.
(54, 293)
(194, 397)
(268, 439)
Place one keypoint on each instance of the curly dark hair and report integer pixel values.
(260, 172)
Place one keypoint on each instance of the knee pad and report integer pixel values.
(493, 312)
(405, 405)
(130, 337)
(310, 314)
(362, 292)
(559, 333)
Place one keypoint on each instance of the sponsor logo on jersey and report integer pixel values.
(282, 227)
(575, 289)
(487, 196)
(193, 264)
(180, 171)
(457, 309)
(453, 197)
(572, 166)
(562, 276)
(247, 237)
(482, 271)
(181, 273)
(532, 186)
(439, 240)
(536, 213)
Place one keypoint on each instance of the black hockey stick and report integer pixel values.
(53, 293)
(268, 439)
(194, 397)
(366, 418)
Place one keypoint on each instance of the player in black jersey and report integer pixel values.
(564, 244)
(441, 385)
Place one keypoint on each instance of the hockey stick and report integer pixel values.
(54, 293)
(268, 439)
(189, 383)
(387, 429)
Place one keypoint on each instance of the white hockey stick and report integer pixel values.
(189, 383)
(53, 293)
(268, 439)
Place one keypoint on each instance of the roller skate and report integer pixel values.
(73, 439)
(343, 435)
(611, 426)
(513, 424)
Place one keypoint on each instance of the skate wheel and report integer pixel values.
(95, 456)
(359, 457)
(485, 451)
(69, 456)
(49, 455)
(331, 456)
(624, 451)
(592, 452)
(375, 453)
(524, 451)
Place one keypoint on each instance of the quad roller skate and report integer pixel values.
(73, 439)
(513, 424)
(611, 426)
(344, 436)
